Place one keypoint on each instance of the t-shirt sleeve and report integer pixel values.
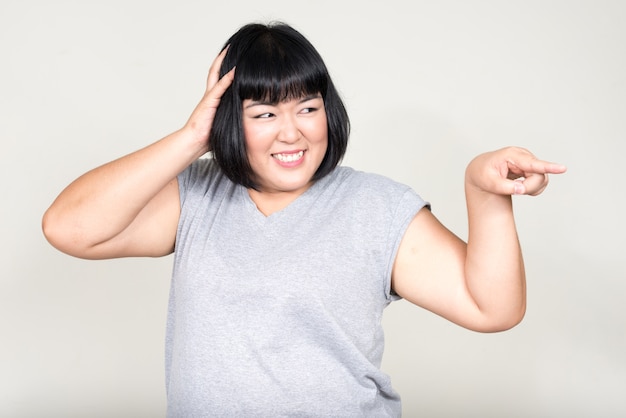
(198, 174)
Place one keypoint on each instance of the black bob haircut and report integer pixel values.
(274, 63)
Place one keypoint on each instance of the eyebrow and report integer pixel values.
(266, 103)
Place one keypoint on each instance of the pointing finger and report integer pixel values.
(531, 165)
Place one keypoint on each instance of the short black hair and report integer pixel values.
(274, 63)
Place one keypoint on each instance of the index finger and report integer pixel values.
(214, 71)
(534, 165)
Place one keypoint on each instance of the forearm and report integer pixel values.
(494, 268)
(103, 202)
(480, 284)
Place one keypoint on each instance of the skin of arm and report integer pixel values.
(481, 284)
(130, 206)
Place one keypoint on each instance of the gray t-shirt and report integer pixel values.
(281, 315)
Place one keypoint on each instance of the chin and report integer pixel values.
(292, 186)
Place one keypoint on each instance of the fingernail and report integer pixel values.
(519, 188)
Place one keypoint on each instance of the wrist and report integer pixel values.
(197, 143)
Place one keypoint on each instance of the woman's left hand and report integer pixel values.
(510, 171)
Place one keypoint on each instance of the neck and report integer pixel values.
(271, 202)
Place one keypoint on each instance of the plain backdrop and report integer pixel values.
(428, 84)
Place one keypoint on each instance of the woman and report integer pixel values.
(284, 261)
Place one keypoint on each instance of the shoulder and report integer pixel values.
(369, 185)
(369, 195)
(202, 167)
(202, 177)
(353, 177)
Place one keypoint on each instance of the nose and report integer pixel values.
(289, 131)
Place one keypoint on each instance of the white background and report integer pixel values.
(428, 84)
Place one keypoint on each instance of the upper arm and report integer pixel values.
(152, 232)
(429, 271)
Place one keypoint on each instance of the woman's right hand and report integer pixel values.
(201, 119)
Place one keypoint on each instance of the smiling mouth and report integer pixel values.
(289, 158)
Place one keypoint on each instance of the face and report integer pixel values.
(286, 142)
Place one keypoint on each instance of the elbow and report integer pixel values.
(48, 228)
(503, 322)
(62, 235)
(504, 326)
(54, 233)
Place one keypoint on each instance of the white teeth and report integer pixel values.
(288, 158)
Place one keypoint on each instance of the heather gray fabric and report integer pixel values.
(281, 315)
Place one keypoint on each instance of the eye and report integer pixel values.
(265, 115)
(309, 110)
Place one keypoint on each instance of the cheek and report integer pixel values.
(256, 139)
(324, 128)
(317, 131)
